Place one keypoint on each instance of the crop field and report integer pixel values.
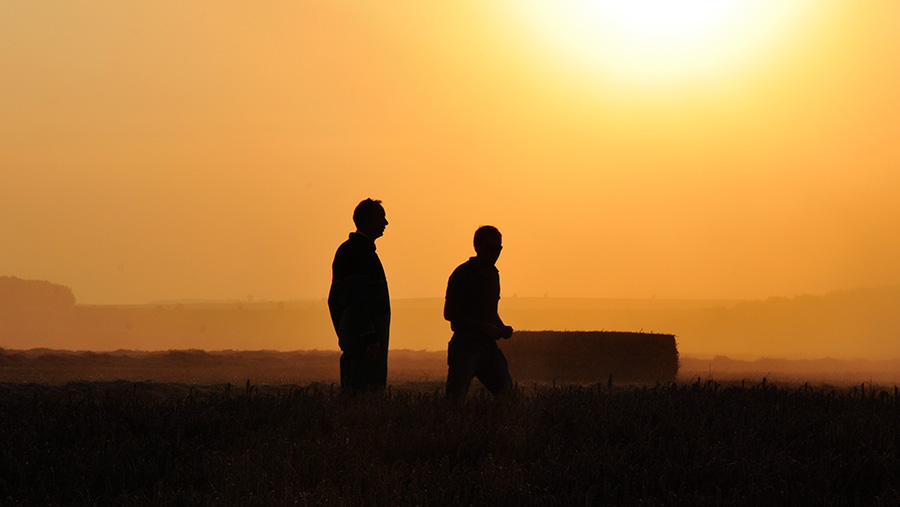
(687, 443)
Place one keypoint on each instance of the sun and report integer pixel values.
(660, 40)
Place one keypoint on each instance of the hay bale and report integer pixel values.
(591, 356)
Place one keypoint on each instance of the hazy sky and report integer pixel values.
(168, 149)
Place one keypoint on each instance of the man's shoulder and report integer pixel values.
(468, 272)
(475, 269)
(355, 243)
(466, 267)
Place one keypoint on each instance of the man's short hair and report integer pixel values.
(485, 233)
(366, 208)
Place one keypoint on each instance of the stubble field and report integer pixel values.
(690, 442)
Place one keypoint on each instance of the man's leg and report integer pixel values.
(461, 368)
(493, 372)
(346, 372)
(373, 376)
(360, 373)
(379, 380)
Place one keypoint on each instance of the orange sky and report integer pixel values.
(165, 149)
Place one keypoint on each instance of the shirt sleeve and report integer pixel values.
(355, 324)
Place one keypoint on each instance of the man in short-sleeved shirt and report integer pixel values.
(359, 303)
(473, 293)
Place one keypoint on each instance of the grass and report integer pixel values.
(697, 443)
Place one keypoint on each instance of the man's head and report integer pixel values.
(370, 219)
(488, 243)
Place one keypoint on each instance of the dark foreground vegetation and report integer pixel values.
(701, 443)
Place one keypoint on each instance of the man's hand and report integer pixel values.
(491, 331)
(498, 332)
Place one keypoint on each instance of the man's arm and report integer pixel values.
(455, 311)
(505, 331)
(357, 331)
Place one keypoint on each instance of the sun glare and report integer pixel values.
(661, 41)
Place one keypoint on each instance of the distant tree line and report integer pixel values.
(16, 292)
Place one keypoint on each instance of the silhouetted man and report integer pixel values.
(473, 293)
(359, 303)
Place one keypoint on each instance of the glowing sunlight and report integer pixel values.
(661, 41)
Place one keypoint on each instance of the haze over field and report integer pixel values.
(740, 150)
(857, 324)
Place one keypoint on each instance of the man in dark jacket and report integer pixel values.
(473, 293)
(359, 302)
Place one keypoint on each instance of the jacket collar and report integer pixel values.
(358, 236)
(483, 268)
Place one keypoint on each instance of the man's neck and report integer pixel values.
(484, 262)
(365, 235)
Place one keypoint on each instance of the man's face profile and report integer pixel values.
(489, 248)
(373, 223)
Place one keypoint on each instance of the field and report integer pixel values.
(190, 440)
(677, 444)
